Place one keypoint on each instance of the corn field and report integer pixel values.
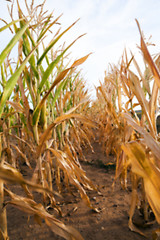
(47, 119)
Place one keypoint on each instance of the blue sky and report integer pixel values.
(110, 26)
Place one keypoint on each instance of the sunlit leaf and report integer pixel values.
(12, 81)
(12, 43)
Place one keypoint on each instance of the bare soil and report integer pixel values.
(110, 223)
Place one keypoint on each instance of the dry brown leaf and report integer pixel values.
(81, 60)
(22, 155)
(31, 207)
(148, 58)
(12, 175)
(17, 106)
(75, 175)
(59, 120)
(148, 139)
(142, 165)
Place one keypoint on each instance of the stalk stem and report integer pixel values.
(3, 213)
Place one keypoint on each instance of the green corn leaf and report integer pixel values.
(46, 56)
(65, 84)
(26, 43)
(22, 23)
(12, 82)
(12, 43)
(36, 112)
(9, 24)
(3, 82)
(57, 93)
(49, 71)
(10, 69)
(53, 43)
(31, 38)
(52, 65)
(59, 78)
(27, 50)
(27, 78)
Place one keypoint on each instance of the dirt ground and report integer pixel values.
(110, 223)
